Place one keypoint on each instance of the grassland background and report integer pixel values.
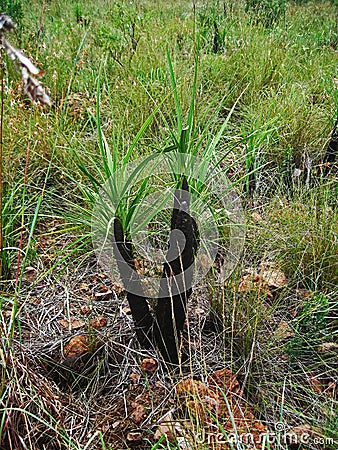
(283, 82)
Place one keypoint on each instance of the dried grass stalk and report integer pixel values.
(32, 87)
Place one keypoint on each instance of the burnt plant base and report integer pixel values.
(165, 330)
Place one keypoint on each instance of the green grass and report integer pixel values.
(130, 80)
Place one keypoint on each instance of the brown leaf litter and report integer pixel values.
(78, 345)
(263, 281)
(218, 406)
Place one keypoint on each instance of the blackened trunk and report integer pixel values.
(138, 304)
(331, 150)
(177, 277)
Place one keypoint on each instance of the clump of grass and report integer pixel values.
(303, 237)
(37, 94)
(30, 404)
(269, 12)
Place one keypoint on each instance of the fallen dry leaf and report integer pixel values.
(183, 443)
(138, 413)
(98, 322)
(169, 428)
(30, 274)
(200, 399)
(118, 288)
(76, 323)
(193, 388)
(86, 309)
(315, 385)
(160, 385)
(301, 431)
(84, 287)
(275, 278)
(257, 217)
(76, 346)
(254, 283)
(116, 424)
(327, 347)
(104, 428)
(149, 365)
(224, 379)
(103, 295)
(303, 293)
(134, 436)
(331, 389)
(283, 331)
(166, 429)
(73, 324)
(64, 323)
(140, 266)
(135, 378)
(208, 406)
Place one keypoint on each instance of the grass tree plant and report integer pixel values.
(116, 191)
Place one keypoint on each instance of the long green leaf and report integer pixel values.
(176, 99)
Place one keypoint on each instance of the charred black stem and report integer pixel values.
(176, 281)
(143, 320)
(331, 150)
(216, 39)
(175, 284)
